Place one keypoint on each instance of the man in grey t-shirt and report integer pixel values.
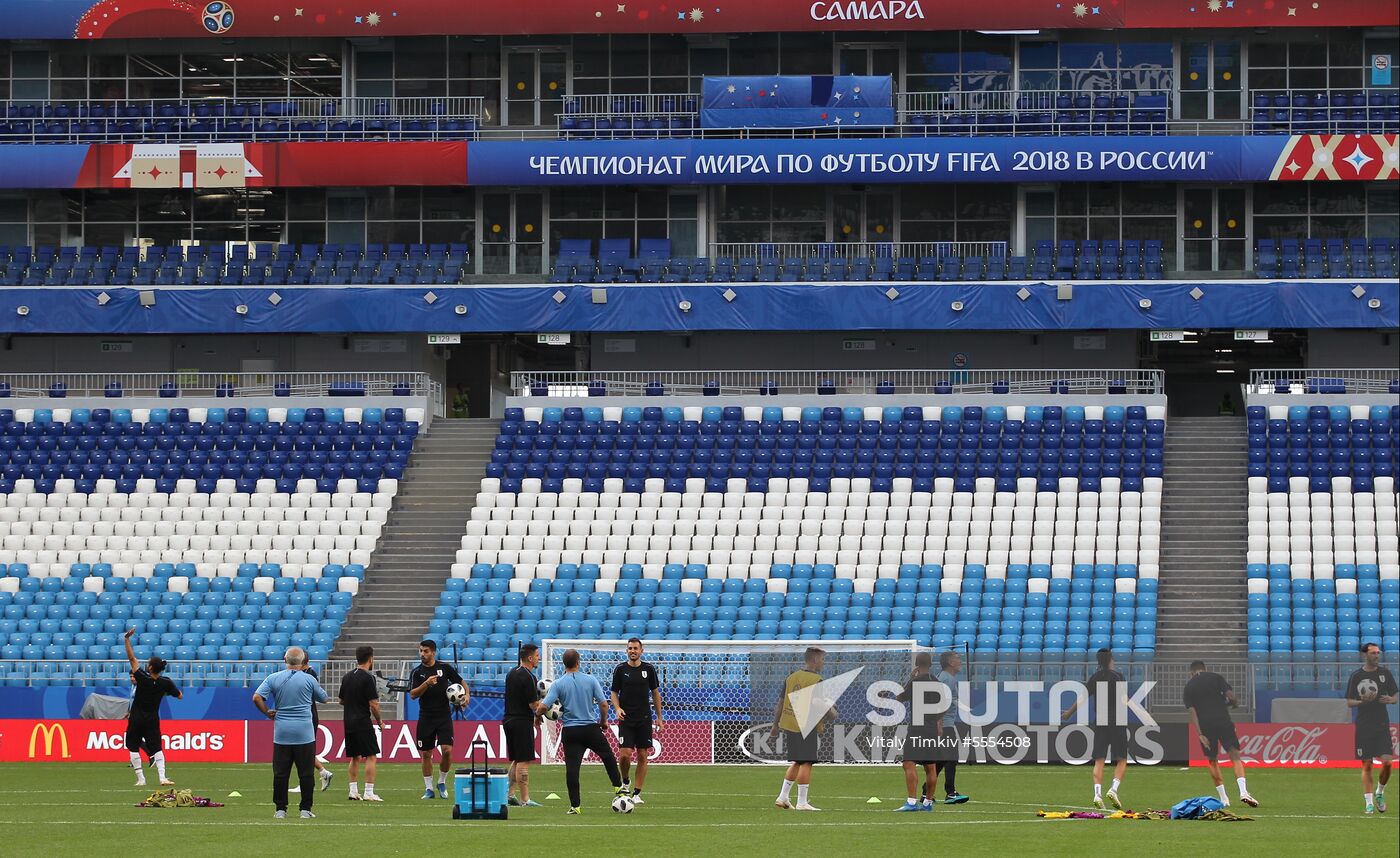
(949, 663)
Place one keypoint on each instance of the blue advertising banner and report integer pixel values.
(934, 159)
(808, 101)
(706, 307)
(62, 701)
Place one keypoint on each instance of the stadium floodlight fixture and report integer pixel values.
(1374, 303)
(957, 306)
(241, 309)
(22, 310)
(1145, 303)
(460, 309)
(684, 306)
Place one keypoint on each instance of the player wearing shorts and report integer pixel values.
(920, 742)
(143, 720)
(1110, 728)
(428, 685)
(359, 694)
(803, 750)
(521, 716)
(1208, 698)
(1369, 691)
(636, 689)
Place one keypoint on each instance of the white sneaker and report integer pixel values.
(166, 782)
(636, 799)
(1224, 802)
(326, 775)
(1113, 800)
(1098, 802)
(783, 803)
(1247, 799)
(371, 797)
(294, 790)
(354, 796)
(140, 782)
(806, 806)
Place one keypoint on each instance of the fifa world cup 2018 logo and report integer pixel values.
(218, 16)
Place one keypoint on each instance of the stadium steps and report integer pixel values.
(420, 542)
(1201, 592)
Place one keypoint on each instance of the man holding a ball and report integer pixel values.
(429, 683)
(1369, 691)
(522, 714)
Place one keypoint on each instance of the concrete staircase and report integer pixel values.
(420, 542)
(1201, 597)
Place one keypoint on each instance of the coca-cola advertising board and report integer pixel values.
(1313, 746)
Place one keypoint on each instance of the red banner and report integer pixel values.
(131, 19)
(1313, 746)
(74, 741)
(268, 165)
(681, 742)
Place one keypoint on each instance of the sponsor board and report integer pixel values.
(1312, 746)
(76, 741)
(679, 742)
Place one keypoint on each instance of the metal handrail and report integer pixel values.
(315, 107)
(1266, 381)
(813, 382)
(855, 249)
(1010, 100)
(206, 384)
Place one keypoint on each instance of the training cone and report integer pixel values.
(554, 796)
(873, 800)
(235, 794)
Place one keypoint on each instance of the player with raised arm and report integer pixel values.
(636, 689)
(428, 685)
(143, 720)
(1209, 698)
(584, 715)
(1369, 690)
(1107, 686)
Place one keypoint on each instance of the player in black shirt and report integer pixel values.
(1110, 730)
(1208, 698)
(428, 684)
(1369, 691)
(143, 719)
(521, 716)
(359, 694)
(635, 689)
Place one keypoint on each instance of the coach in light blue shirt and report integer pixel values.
(292, 691)
(580, 696)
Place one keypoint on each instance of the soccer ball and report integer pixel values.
(543, 686)
(552, 713)
(456, 694)
(218, 16)
(623, 804)
(1367, 687)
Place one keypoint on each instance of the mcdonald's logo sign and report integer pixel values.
(49, 732)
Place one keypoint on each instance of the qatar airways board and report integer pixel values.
(130, 19)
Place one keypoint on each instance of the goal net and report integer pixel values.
(720, 698)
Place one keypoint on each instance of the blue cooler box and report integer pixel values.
(480, 794)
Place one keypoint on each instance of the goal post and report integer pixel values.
(719, 698)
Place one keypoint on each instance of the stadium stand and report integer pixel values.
(225, 534)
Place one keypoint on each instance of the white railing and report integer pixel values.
(864, 382)
(780, 251)
(207, 384)
(1322, 381)
(197, 120)
(1008, 101)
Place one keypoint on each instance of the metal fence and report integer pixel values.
(220, 384)
(1006, 101)
(1323, 381)
(856, 249)
(841, 382)
(218, 120)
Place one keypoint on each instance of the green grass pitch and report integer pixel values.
(87, 809)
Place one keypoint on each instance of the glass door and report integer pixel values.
(876, 59)
(1214, 237)
(534, 85)
(1210, 80)
(862, 216)
(512, 238)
